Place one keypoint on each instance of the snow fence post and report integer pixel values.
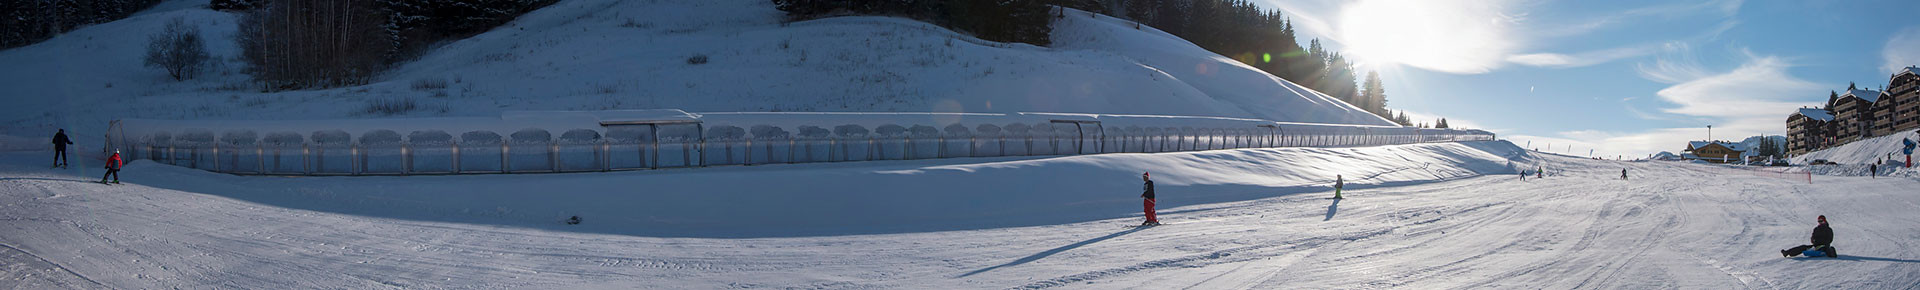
(406, 158)
(260, 158)
(1029, 143)
(456, 157)
(702, 127)
(216, 156)
(505, 163)
(605, 155)
(655, 129)
(789, 149)
(353, 158)
(306, 159)
(973, 145)
(553, 155)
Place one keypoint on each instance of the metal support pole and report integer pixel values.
(406, 158)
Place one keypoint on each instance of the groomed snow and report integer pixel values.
(625, 55)
(1428, 216)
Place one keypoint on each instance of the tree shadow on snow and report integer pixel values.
(1044, 254)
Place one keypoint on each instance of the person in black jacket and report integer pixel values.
(1822, 240)
(60, 143)
(1146, 197)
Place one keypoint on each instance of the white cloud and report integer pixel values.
(1903, 49)
(1675, 64)
(1581, 59)
(1750, 100)
(1676, 9)
(1759, 87)
(1475, 36)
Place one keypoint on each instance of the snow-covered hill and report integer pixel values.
(1425, 216)
(1854, 158)
(1864, 151)
(697, 55)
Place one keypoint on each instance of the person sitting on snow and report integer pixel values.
(1822, 240)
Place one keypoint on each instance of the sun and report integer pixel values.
(1443, 35)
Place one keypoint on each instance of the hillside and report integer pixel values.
(1424, 216)
(695, 55)
(1854, 158)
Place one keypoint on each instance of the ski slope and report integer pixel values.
(1425, 216)
(627, 55)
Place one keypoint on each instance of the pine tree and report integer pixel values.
(1832, 97)
(1142, 11)
(1376, 95)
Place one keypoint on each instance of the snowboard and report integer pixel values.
(1829, 252)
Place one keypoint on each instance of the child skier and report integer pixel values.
(1146, 197)
(1822, 240)
(1338, 182)
(60, 143)
(113, 167)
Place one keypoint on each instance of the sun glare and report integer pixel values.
(1442, 35)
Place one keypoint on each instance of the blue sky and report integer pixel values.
(1627, 77)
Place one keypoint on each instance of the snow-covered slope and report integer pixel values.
(1854, 158)
(1252, 218)
(1864, 151)
(607, 54)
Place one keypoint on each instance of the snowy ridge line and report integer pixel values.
(653, 139)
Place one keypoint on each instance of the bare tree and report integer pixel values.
(178, 49)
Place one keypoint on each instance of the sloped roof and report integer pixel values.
(1730, 145)
(1865, 95)
(1816, 114)
(1912, 70)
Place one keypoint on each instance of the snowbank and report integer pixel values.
(853, 198)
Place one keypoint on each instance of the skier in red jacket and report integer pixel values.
(1147, 200)
(113, 167)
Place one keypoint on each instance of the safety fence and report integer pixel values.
(654, 139)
